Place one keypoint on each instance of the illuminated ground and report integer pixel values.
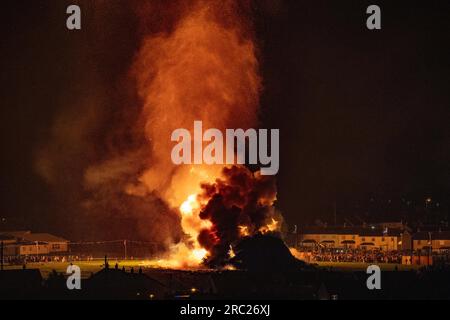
(89, 267)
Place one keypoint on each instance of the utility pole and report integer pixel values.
(125, 249)
(296, 236)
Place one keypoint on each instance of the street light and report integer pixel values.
(427, 202)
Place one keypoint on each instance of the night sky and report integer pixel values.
(364, 115)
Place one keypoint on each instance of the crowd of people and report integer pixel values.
(25, 259)
(355, 255)
(349, 255)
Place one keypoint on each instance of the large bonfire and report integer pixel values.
(205, 69)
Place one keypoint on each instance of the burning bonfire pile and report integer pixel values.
(237, 205)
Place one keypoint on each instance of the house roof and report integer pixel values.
(44, 237)
(15, 234)
(442, 235)
(361, 231)
(29, 236)
(366, 232)
(437, 235)
(331, 230)
(4, 237)
(432, 228)
(31, 243)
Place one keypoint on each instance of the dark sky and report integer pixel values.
(363, 114)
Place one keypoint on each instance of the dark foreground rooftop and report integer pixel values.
(172, 285)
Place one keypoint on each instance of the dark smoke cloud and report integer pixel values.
(239, 198)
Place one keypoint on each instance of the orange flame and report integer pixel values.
(204, 69)
(270, 227)
(243, 230)
(188, 254)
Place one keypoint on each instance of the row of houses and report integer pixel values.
(24, 243)
(375, 237)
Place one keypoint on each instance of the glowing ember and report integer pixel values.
(271, 227)
(243, 230)
(231, 253)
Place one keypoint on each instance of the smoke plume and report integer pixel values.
(195, 60)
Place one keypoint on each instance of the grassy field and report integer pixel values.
(89, 267)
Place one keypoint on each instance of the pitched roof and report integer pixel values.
(361, 231)
(331, 230)
(437, 235)
(31, 243)
(366, 232)
(43, 237)
(4, 237)
(15, 234)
